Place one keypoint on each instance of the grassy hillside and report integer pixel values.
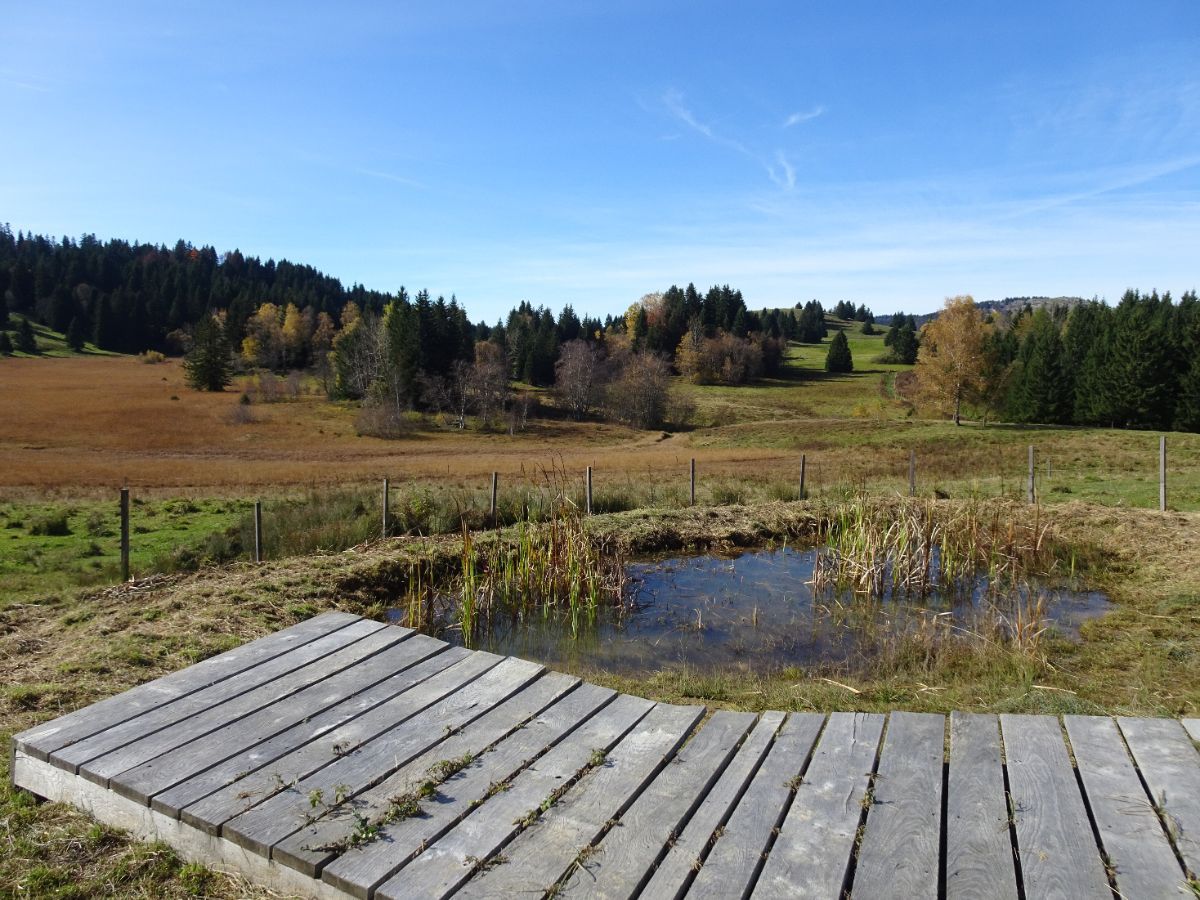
(74, 429)
(51, 344)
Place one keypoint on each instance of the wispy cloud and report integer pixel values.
(797, 117)
(674, 102)
(778, 169)
(782, 172)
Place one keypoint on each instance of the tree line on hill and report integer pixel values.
(1133, 365)
(231, 312)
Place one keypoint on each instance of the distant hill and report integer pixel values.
(1008, 306)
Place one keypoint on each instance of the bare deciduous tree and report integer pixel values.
(489, 381)
(640, 390)
(579, 377)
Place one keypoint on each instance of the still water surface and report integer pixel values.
(753, 611)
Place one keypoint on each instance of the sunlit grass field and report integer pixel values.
(73, 430)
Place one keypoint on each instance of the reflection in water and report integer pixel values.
(755, 611)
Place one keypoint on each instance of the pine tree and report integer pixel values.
(207, 365)
(1042, 387)
(6, 347)
(838, 359)
(3, 312)
(75, 338)
(739, 324)
(26, 342)
(1187, 406)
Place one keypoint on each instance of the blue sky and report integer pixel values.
(587, 153)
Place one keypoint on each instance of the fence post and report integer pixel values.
(124, 534)
(589, 490)
(803, 467)
(1162, 473)
(386, 498)
(1029, 492)
(693, 481)
(912, 473)
(258, 540)
(495, 485)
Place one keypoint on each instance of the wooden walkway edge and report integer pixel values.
(345, 758)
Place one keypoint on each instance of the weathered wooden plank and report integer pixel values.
(472, 740)
(1139, 853)
(74, 755)
(248, 790)
(448, 862)
(1192, 727)
(232, 736)
(106, 769)
(42, 740)
(900, 850)
(811, 856)
(359, 870)
(979, 851)
(682, 861)
(1059, 856)
(736, 857)
(1170, 767)
(289, 810)
(241, 766)
(543, 853)
(625, 856)
(142, 823)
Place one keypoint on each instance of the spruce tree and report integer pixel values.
(838, 359)
(1042, 390)
(3, 312)
(6, 347)
(75, 338)
(207, 365)
(906, 345)
(26, 342)
(1187, 406)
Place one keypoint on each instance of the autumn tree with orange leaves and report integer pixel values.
(953, 356)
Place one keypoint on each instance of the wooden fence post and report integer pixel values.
(588, 498)
(912, 473)
(693, 481)
(258, 539)
(803, 467)
(124, 534)
(1029, 492)
(386, 498)
(495, 487)
(1162, 473)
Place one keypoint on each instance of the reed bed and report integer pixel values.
(989, 556)
(912, 548)
(548, 569)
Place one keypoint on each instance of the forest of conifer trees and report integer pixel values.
(1133, 365)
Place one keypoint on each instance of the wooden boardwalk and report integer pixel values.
(344, 757)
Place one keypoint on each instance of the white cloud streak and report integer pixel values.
(782, 173)
(779, 170)
(797, 118)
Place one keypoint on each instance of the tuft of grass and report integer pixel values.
(52, 524)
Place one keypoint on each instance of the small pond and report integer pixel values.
(753, 611)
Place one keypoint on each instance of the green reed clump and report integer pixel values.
(549, 568)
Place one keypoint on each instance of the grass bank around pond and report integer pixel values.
(76, 646)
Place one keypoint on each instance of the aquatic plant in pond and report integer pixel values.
(761, 611)
(551, 570)
(913, 548)
(903, 579)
